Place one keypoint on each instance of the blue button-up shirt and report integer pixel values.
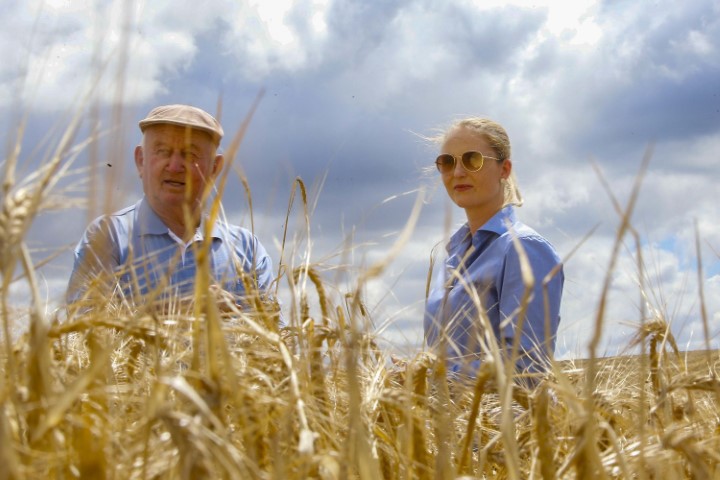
(135, 250)
(483, 271)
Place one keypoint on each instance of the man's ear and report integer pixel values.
(218, 165)
(139, 159)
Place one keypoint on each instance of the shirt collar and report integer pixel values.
(497, 224)
(149, 223)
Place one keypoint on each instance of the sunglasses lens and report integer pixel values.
(445, 163)
(472, 161)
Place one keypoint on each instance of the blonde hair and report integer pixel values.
(499, 140)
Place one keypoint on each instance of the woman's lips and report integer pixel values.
(462, 187)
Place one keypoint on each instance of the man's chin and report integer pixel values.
(173, 195)
(168, 200)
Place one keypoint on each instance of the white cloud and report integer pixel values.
(280, 35)
(71, 45)
(697, 44)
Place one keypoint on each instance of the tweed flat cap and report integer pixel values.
(184, 116)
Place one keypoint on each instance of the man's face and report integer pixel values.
(175, 163)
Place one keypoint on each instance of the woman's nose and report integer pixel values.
(459, 169)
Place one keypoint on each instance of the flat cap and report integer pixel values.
(184, 116)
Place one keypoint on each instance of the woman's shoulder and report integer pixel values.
(526, 232)
(530, 239)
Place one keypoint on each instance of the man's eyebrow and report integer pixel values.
(163, 143)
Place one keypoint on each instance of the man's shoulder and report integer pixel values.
(129, 210)
(231, 231)
(243, 241)
(124, 213)
(119, 220)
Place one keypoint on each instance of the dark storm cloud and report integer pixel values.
(357, 28)
(488, 41)
(476, 38)
(665, 83)
(305, 133)
(661, 109)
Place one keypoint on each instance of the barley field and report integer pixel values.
(135, 394)
(202, 389)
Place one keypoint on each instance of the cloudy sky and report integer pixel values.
(584, 89)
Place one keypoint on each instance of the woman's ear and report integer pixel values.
(506, 168)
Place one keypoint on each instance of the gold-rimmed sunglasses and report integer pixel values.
(471, 161)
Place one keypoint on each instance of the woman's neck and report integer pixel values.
(478, 218)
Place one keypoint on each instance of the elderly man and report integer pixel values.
(150, 248)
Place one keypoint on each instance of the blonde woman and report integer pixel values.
(482, 286)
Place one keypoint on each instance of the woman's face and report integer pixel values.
(480, 193)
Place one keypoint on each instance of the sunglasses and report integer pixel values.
(471, 161)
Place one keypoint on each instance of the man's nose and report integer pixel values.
(176, 162)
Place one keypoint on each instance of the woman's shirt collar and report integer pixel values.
(497, 224)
